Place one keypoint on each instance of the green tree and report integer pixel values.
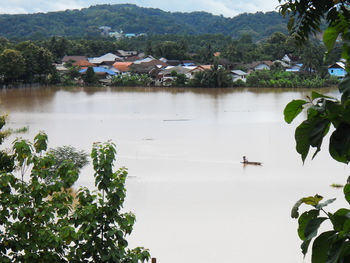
(323, 112)
(41, 222)
(90, 76)
(312, 57)
(12, 65)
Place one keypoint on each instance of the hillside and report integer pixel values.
(134, 19)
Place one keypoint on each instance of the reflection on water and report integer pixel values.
(194, 200)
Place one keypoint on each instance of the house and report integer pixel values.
(129, 35)
(122, 66)
(83, 63)
(190, 74)
(263, 65)
(295, 68)
(151, 61)
(61, 69)
(337, 69)
(107, 59)
(257, 65)
(73, 59)
(116, 35)
(144, 68)
(239, 74)
(123, 53)
(101, 72)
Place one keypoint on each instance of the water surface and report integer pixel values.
(193, 199)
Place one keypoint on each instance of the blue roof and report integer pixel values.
(100, 70)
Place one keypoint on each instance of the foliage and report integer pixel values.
(65, 153)
(90, 76)
(216, 77)
(38, 62)
(283, 79)
(323, 112)
(37, 218)
(12, 65)
(131, 80)
(170, 50)
(134, 19)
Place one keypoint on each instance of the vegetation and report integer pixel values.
(215, 77)
(134, 19)
(131, 80)
(324, 114)
(283, 79)
(90, 77)
(37, 218)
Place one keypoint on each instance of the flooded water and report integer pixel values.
(193, 199)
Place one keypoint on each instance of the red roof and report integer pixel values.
(122, 66)
(83, 63)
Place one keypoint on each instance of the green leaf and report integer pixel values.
(302, 138)
(347, 192)
(339, 143)
(295, 212)
(304, 246)
(339, 218)
(321, 246)
(334, 251)
(316, 95)
(330, 35)
(344, 88)
(312, 200)
(293, 109)
(310, 133)
(312, 227)
(304, 219)
(319, 130)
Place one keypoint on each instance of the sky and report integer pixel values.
(227, 8)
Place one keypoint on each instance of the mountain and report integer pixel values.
(133, 19)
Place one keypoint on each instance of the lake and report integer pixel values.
(194, 201)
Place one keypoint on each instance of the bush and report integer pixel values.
(38, 222)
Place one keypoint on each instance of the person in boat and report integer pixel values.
(245, 160)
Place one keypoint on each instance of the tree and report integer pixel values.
(12, 65)
(39, 221)
(90, 76)
(311, 57)
(323, 112)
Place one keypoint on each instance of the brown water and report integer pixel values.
(194, 201)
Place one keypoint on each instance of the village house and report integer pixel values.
(108, 60)
(73, 59)
(122, 67)
(238, 75)
(337, 69)
(124, 54)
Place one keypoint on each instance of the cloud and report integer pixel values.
(228, 8)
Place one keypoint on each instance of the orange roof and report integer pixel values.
(122, 66)
(83, 63)
(217, 54)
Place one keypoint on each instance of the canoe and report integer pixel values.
(252, 163)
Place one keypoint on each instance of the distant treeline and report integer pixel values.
(32, 61)
(133, 19)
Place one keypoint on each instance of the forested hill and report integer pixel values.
(134, 19)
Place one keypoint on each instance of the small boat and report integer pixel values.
(245, 162)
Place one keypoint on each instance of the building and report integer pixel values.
(337, 69)
(239, 74)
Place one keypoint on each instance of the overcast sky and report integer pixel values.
(228, 8)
